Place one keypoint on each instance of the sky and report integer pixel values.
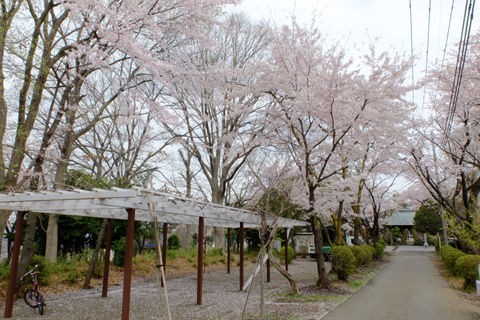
(356, 24)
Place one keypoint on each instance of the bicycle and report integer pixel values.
(32, 296)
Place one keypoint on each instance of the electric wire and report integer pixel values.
(448, 34)
(411, 49)
(445, 48)
(443, 57)
(460, 64)
(426, 56)
(455, 75)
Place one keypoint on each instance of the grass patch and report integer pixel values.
(357, 284)
(310, 298)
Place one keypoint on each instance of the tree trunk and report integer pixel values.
(219, 237)
(4, 215)
(322, 281)
(96, 253)
(28, 240)
(286, 274)
(186, 236)
(357, 225)
(51, 246)
(51, 249)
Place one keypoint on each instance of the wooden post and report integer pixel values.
(106, 258)
(201, 229)
(127, 273)
(286, 249)
(164, 250)
(228, 250)
(240, 248)
(12, 279)
(268, 270)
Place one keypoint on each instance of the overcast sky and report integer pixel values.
(358, 23)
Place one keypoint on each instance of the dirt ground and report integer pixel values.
(222, 298)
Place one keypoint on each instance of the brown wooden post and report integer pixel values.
(127, 273)
(164, 245)
(201, 229)
(12, 279)
(106, 258)
(240, 248)
(268, 270)
(286, 249)
(228, 250)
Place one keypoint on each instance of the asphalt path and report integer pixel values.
(409, 287)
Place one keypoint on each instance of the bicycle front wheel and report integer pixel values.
(31, 298)
(40, 302)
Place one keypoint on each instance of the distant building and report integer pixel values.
(401, 218)
(404, 220)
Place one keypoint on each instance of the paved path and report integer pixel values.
(408, 288)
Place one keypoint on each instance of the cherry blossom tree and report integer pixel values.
(320, 96)
(61, 44)
(220, 114)
(444, 154)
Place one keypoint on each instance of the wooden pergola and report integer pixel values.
(134, 204)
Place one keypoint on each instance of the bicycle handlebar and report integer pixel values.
(34, 270)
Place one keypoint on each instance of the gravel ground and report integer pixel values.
(221, 299)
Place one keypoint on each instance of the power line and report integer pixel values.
(426, 57)
(460, 64)
(444, 50)
(448, 34)
(443, 56)
(411, 49)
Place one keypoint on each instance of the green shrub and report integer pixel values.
(71, 277)
(363, 254)
(343, 262)
(379, 249)
(119, 247)
(182, 253)
(466, 267)
(4, 269)
(173, 242)
(290, 252)
(449, 256)
(215, 252)
(358, 254)
(370, 252)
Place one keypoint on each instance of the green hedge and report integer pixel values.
(466, 267)
(379, 249)
(343, 262)
(449, 256)
(363, 254)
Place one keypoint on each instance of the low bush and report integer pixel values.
(343, 262)
(371, 252)
(182, 253)
(215, 252)
(281, 254)
(363, 254)
(71, 277)
(379, 249)
(449, 257)
(119, 248)
(466, 267)
(173, 242)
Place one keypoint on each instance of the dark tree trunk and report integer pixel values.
(322, 281)
(28, 249)
(96, 253)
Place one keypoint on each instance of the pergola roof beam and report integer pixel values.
(113, 204)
